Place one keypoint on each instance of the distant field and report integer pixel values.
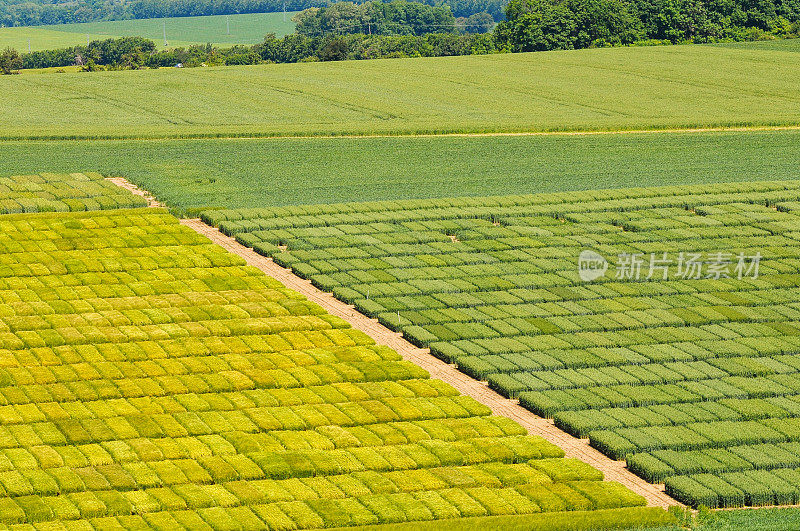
(239, 173)
(183, 31)
(605, 89)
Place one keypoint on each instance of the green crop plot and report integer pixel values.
(149, 379)
(181, 31)
(687, 369)
(605, 89)
(202, 173)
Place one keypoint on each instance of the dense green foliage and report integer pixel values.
(397, 17)
(150, 379)
(136, 53)
(10, 61)
(190, 174)
(534, 25)
(537, 25)
(610, 89)
(244, 29)
(38, 12)
(692, 377)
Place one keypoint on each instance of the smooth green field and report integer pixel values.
(601, 89)
(181, 31)
(240, 173)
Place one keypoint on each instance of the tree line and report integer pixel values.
(39, 12)
(137, 52)
(530, 25)
(398, 17)
(533, 25)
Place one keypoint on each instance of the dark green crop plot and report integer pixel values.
(681, 357)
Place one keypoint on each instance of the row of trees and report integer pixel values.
(37, 12)
(387, 18)
(136, 52)
(530, 25)
(533, 25)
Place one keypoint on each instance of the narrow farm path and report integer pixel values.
(135, 190)
(573, 447)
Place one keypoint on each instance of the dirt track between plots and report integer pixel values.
(135, 190)
(573, 447)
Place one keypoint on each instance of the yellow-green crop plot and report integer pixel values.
(149, 379)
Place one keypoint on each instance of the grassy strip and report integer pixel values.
(244, 133)
(638, 517)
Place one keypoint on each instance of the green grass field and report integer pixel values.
(181, 31)
(605, 89)
(240, 173)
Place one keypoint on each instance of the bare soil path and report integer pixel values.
(135, 190)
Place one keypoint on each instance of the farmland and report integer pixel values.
(182, 31)
(600, 89)
(693, 380)
(237, 173)
(149, 379)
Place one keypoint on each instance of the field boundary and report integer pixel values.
(573, 447)
(409, 134)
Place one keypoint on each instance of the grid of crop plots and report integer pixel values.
(149, 379)
(688, 371)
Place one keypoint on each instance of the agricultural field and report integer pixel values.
(600, 89)
(52, 192)
(236, 173)
(181, 31)
(687, 369)
(149, 379)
